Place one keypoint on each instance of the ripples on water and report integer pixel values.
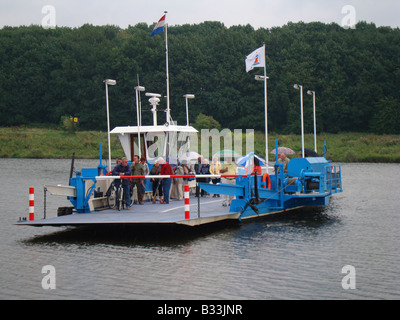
(292, 256)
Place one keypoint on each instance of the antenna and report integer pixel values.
(154, 100)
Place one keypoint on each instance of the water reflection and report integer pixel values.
(175, 235)
(145, 235)
(297, 255)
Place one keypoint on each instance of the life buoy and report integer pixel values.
(267, 179)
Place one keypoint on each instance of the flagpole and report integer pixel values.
(166, 63)
(266, 108)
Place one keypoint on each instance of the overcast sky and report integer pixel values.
(258, 13)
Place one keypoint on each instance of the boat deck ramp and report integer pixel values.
(211, 210)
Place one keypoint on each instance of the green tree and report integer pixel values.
(387, 119)
(47, 73)
(206, 122)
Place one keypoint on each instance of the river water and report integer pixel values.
(294, 256)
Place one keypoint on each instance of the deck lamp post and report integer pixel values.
(109, 82)
(138, 89)
(300, 87)
(315, 119)
(188, 96)
(265, 78)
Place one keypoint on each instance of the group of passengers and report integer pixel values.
(165, 189)
(172, 188)
(203, 167)
(138, 168)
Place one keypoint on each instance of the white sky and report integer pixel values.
(258, 13)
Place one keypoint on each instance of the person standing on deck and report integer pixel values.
(215, 168)
(177, 183)
(166, 182)
(198, 170)
(137, 170)
(157, 183)
(143, 161)
(228, 168)
(282, 159)
(123, 169)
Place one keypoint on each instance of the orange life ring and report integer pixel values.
(266, 178)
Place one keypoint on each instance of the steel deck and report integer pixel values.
(211, 210)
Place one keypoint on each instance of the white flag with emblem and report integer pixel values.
(256, 59)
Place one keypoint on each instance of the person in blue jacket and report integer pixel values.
(123, 169)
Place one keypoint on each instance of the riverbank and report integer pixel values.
(24, 142)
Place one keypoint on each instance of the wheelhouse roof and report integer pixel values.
(144, 129)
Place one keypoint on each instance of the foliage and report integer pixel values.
(387, 118)
(47, 73)
(68, 124)
(26, 142)
(206, 122)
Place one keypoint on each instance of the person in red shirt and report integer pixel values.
(166, 182)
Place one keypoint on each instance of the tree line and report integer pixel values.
(46, 74)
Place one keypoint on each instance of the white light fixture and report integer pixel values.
(260, 78)
(156, 95)
(110, 82)
(188, 96)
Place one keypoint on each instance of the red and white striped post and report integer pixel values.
(31, 204)
(187, 206)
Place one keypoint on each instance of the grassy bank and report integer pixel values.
(23, 142)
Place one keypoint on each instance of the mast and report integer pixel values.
(266, 108)
(167, 71)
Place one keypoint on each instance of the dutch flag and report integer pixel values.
(159, 26)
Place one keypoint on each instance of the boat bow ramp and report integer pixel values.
(146, 214)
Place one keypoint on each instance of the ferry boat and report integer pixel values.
(308, 181)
